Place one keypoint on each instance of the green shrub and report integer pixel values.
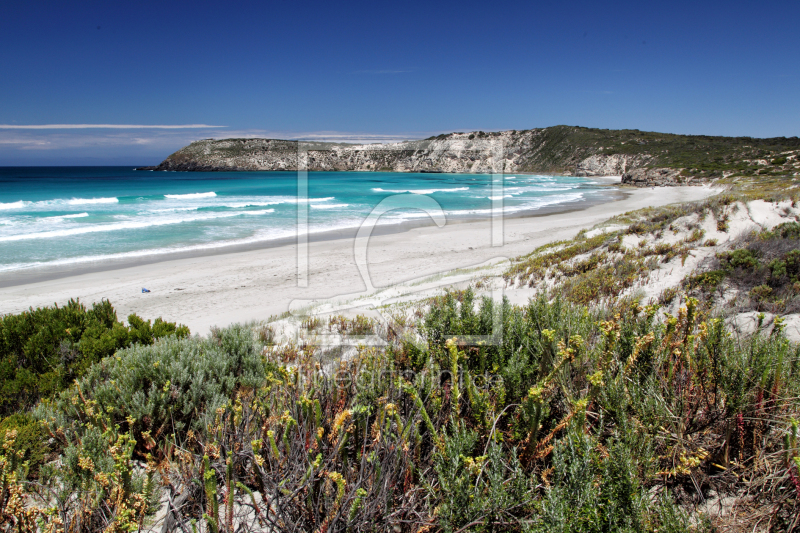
(577, 502)
(574, 419)
(777, 268)
(605, 282)
(115, 495)
(761, 293)
(792, 261)
(707, 281)
(43, 350)
(483, 492)
(30, 441)
(741, 258)
(696, 235)
(165, 388)
(787, 230)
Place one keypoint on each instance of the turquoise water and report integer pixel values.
(53, 216)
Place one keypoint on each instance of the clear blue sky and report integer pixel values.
(376, 70)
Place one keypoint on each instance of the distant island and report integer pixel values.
(641, 158)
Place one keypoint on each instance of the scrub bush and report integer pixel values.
(166, 388)
(570, 418)
(43, 350)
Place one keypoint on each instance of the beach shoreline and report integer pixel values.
(53, 272)
(253, 284)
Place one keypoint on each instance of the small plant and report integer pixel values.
(360, 325)
(667, 296)
(696, 235)
(266, 334)
(311, 323)
(742, 259)
(707, 281)
(761, 292)
(30, 441)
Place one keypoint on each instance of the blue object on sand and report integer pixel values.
(145, 290)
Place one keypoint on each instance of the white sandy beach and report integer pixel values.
(221, 289)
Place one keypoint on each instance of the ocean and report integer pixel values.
(65, 216)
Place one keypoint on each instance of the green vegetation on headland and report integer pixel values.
(699, 156)
(557, 149)
(585, 410)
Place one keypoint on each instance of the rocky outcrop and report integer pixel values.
(609, 165)
(474, 152)
(641, 158)
(656, 177)
(462, 153)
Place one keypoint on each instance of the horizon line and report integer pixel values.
(105, 126)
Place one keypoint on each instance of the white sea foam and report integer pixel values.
(275, 200)
(126, 225)
(81, 201)
(59, 201)
(174, 209)
(328, 206)
(191, 196)
(250, 204)
(242, 204)
(211, 200)
(63, 217)
(312, 200)
(513, 192)
(14, 205)
(531, 205)
(262, 236)
(539, 188)
(420, 191)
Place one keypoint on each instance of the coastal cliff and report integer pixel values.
(641, 158)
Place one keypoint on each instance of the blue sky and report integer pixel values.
(377, 71)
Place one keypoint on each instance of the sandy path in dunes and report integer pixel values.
(252, 285)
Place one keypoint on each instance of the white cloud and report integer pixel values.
(20, 141)
(330, 136)
(148, 146)
(104, 126)
(383, 71)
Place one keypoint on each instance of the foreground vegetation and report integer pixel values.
(575, 419)
(43, 350)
